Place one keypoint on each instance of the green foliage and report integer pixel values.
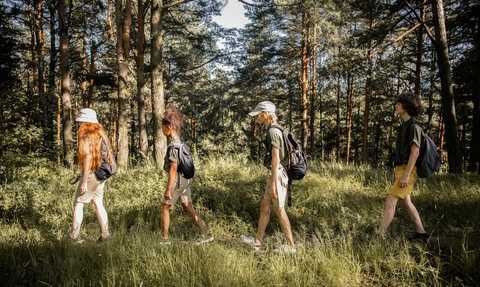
(335, 212)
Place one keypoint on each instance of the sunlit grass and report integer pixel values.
(334, 214)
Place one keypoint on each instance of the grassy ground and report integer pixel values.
(334, 214)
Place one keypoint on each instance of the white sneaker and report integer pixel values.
(250, 240)
(286, 249)
(204, 240)
(165, 242)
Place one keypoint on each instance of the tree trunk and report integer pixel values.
(142, 119)
(448, 102)
(88, 102)
(418, 61)
(50, 97)
(65, 86)
(431, 93)
(348, 121)
(313, 84)
(473, 164)
(304, 79)
(338, 118)
(83, 85)
(122, 50)
(158, 97)
(368, 91)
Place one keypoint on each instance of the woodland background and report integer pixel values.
(332, 67)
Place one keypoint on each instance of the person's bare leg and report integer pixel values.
(388, 214)
(263, 221)
(165, 220)
(102, 216)
(413, 213)
(188, 207)
(77, 219)
(285, 224)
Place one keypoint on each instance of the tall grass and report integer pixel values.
(334, 214)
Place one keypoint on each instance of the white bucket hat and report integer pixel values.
(87, 116)
(264, 106)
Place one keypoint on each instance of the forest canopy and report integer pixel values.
(333, 68)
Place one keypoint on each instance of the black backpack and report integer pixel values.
(428, 160)
(185, 166)
(297, 163)
(106, 170)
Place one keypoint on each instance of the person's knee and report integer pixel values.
(391, 200)
(265, 209)
(165, 207)
(279, 211)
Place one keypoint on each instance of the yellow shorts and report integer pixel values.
(401, 192)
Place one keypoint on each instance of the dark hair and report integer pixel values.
(173, 118)
(411, 103)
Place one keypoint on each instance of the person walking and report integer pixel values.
(178, 187)
(277, 180)
(90, 136)
(409, 138)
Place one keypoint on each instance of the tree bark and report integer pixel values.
(93, 53)
(348, 122)
(448, 101)
(368, 92)
(65, 86)
(158, 97)
(418, 61)
(338, 118)
(304, 79)
(473, 165)
(142, 120)
(122, 50)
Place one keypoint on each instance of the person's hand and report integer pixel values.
(83, 188)
(168, 194)
(404, 180)
(272, 191)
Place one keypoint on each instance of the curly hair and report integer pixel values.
(173, 118)
(411, 103)
(271, 117)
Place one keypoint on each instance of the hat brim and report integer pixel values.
(86, 120)
(254, 113)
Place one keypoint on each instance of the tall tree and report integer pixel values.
(448, 103)
(141, 81)
(123, 20)
(65, 85)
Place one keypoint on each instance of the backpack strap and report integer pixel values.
(179, 147)
(286, 142)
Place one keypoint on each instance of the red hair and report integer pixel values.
(94, 133)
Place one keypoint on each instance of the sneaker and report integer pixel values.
(206, 239)
(250, 240)
(286, 249)
(103, 239)
(77, 240)
(164, 242)
(420, 236)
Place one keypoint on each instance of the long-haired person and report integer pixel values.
(90, 135)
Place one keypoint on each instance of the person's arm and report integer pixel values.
(86, 173)
(412, 159)
(274, 171)
(172, 173)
